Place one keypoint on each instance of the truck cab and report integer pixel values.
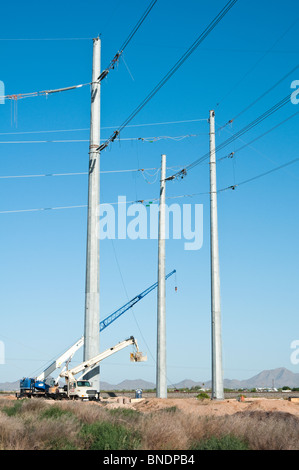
(82, 390)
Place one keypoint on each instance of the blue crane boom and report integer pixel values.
(31, 386)
(111, 318)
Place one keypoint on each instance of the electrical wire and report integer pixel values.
(182, 173)
(142, 170)
(127, 139)
(102, 128)
(45, 39)
(265, 93)
(247, 144)
(116, 58)
(172, 71)
(261, 175)
(233, 187)
(18, 96)
(258, 62)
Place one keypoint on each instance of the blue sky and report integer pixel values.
(43, 253)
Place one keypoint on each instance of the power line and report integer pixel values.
(261, 175)
(142, 170)
(260, 136)
(45, 39)
(260, 60)
(172, 71)
(235, 136)
(233, 187)
(262, 95)
(17, 96)
(115, 59)
(104, 127)
(130, 139)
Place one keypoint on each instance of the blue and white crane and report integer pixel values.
(39, 385)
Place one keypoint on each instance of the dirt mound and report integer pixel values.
(216, 408)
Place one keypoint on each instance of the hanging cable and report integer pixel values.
(18, 96)
(172, 71)
(127, 139)
(116, 58)
(260, 97)
(258, 62)
(233, 187)
(261, 175)
(182, 173)
(258, 137)
(110, 127)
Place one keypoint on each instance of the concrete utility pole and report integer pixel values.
(161, 313)
(92, 289)
(217, 372)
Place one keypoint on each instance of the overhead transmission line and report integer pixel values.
(105, 127)
(17, 96)
(251, 125)
(171, 72)
(259, 60)
(262, 95)
(177, 138)
(247, 144)
(261, 175)
(126, 42)
(142, 170)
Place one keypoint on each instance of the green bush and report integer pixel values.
(124, 413)
(14, 409)
(103, 435)
(171, 409)
(54, 412)
(59, 444)
(202, 396)
(228, 442)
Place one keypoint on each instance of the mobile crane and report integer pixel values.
(78, 388)
(43, 385)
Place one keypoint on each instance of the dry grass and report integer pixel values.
(37, 424)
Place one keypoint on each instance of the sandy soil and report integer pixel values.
(198, 407)
(208, 407)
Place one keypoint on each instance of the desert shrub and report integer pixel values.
(32, 406)
(103, 435)
(127, 415)
(265, 430)
(87, 413)
(228, 442)
(55, 412)
(12, 433)
(202, 396)
(14, 409)
(164, 431)
(171, 409)
(60, 443)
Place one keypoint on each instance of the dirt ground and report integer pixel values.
(207, 407)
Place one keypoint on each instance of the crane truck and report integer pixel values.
(43, 383)
(79, 388)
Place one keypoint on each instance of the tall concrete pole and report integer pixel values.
(161, 383)
(92, 292)
(217, 372)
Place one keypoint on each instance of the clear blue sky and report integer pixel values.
(43, 253)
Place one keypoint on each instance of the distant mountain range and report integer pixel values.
(277, 378)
